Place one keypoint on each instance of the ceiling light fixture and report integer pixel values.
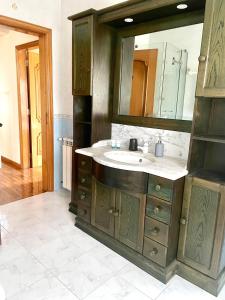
(182, 6)
(128, 20)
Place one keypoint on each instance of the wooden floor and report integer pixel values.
(18, 184)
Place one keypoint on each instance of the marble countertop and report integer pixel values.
(167, 167)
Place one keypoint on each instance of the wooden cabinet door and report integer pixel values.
(129, 219)
(82, 56)
(211, 75)
(103, 206)
(202, 226)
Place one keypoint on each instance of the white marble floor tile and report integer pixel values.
(10, 248)
(84, 275)
(82, 239)
(117, 289)
(179, 288)
(35, 236)
(48, 288)
(109, 258)
(44, 257)
(144, 282)
(57, 253)
(19, 273)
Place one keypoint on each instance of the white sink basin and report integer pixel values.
(127, 157)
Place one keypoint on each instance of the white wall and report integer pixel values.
(9, 133)
(45, 13)
(68, 8)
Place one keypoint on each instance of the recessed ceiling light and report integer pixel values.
(128, 20)
(182, 6)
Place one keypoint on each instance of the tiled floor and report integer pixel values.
(44, 257)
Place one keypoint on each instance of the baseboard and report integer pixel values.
(10, 163)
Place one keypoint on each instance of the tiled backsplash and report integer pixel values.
(176, 143)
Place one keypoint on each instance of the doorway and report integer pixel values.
(36, 135)
(29, 104)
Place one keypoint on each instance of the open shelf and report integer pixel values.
(83, 109)
(209, 138)
(209, 119)
(207, 155)
(83, 122)
(210, 175)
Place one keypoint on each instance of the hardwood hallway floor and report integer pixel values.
(18, 184)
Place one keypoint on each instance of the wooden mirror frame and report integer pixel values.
(167, 23)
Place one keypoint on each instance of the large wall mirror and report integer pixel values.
(158, 74)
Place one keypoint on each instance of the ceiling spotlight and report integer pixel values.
(128, 20)
(182, 6)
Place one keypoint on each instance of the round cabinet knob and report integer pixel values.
(155, 231)
(154, 252)
(83, 163)
(83, 180)
(110, 211)
(183, 221)
(116, 213)
(156, 210)
(82, 212)
(202, 58)
(157, 188)
(82, 196)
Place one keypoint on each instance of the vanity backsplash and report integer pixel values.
(176, 143)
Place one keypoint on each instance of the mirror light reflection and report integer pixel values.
(161, 73)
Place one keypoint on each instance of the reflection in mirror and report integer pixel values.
(159, 73)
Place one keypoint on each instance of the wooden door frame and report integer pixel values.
(23, 103)
(45, 48)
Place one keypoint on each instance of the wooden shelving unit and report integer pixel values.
(207, 151)
(92, 61)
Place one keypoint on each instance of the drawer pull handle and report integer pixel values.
(183, 221)
(157, 210)
(155, 231)
(110, 211)
(154, 252)
(116, 213)
(157, 188)
(83, 163)
(82, 212)
(83, 180)
(82, 196)
(202, 58)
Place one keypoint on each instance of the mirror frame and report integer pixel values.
(167, 23)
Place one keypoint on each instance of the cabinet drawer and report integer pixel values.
(160, 187)
(84, 179)
(84, 212)
(157, 231)
(84, 196)
(155, 251)
(158, 209)
(85, 163)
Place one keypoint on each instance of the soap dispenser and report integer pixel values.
(159, 148)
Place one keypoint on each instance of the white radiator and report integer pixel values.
(67, 162)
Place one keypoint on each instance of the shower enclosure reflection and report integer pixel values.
(159, 73)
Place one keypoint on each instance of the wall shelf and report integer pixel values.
(209, 138)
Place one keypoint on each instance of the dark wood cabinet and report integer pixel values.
(92, 62)
(103, 208)
(211, 73)
(119, 214)
(201, 244)
(82, 43)
(129, 225)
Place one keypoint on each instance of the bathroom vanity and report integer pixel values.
(134, 212)
(141, 213)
